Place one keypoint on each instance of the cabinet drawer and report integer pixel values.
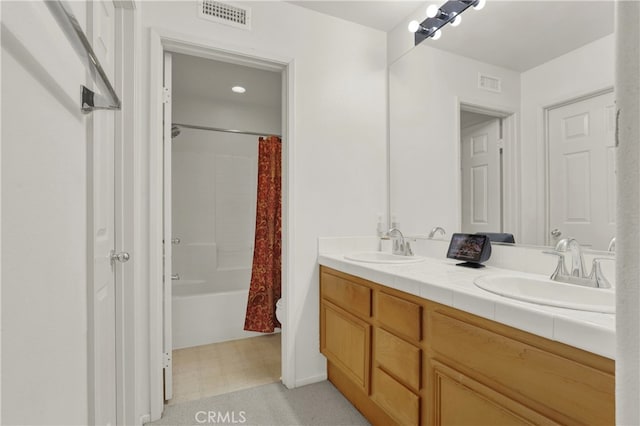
(347, 294)
(459, 400)
(398, 357)
(396, 400)
(346, 341)
(402, 317)
(570, 390)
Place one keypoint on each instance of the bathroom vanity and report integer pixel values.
(405, 359)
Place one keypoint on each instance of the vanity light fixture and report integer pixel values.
(438, 17)
(238, 89)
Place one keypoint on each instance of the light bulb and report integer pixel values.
(437, 35)
(480, 4)
(238, 89)
(414, 26)
(456, 21)
(432, 11)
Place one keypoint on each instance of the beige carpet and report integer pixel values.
(272, 404)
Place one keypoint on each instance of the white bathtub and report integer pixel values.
(204, 313)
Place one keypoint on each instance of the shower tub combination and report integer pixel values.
(213, 219)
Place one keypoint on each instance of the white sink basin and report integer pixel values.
(381, 257)
(551, 293)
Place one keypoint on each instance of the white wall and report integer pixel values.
(44, 221)
(627, 44)
(339, 142)
(425, 87)
(585, 70)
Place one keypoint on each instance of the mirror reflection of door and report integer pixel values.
(481, 173)
(582, 168)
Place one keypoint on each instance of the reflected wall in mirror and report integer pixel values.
(506, 124)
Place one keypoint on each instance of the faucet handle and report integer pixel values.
(596, 274)
(561, 269)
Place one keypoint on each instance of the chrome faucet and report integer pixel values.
(577, 274)
(400, 246)
(612, 245)
(436, 230)
(577, 261)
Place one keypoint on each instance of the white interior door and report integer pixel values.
(582, 167)
(101, 24)
(167, 231)
(481, 178)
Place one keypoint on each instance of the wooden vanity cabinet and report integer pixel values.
(404, 360)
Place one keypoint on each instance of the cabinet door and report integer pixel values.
(346, 342)
(555, 385)
(460, 400)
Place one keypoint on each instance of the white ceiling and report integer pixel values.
(523, 34)
(381, 15)
(515, 34)
(208, 79)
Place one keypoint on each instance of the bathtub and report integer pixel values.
(203, 313)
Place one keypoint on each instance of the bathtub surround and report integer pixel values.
(213, 205)
(265, 287)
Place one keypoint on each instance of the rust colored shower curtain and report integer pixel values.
(264, 290)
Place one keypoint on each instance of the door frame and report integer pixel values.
(546, 110)
(511, 208)
(127, 131)
(161, 40)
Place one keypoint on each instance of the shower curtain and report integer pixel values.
(264, 290)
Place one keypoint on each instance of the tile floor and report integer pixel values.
(220, 368)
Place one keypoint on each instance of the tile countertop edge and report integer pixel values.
(591, 332)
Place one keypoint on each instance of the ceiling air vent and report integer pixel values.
(225, 13)
(492, 84)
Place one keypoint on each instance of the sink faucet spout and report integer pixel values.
(577, 261)
(400, 246)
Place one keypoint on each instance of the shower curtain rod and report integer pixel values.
(217, 129)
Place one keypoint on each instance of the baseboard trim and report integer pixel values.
(145, 418)
(310, 380)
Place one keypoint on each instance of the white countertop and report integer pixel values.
(441, 281)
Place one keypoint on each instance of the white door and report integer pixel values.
(101, 27)
(481, 178)
(582, 171)
(167, 237)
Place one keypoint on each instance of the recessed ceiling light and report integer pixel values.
(238, 89)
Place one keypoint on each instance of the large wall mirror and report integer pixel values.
(507, 124)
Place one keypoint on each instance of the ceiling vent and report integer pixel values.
(225, 13)
(492, 84)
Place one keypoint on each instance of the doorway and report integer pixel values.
(489, 177)
(218, 112)
(581, 201)
(160, 339)
(481, 170)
